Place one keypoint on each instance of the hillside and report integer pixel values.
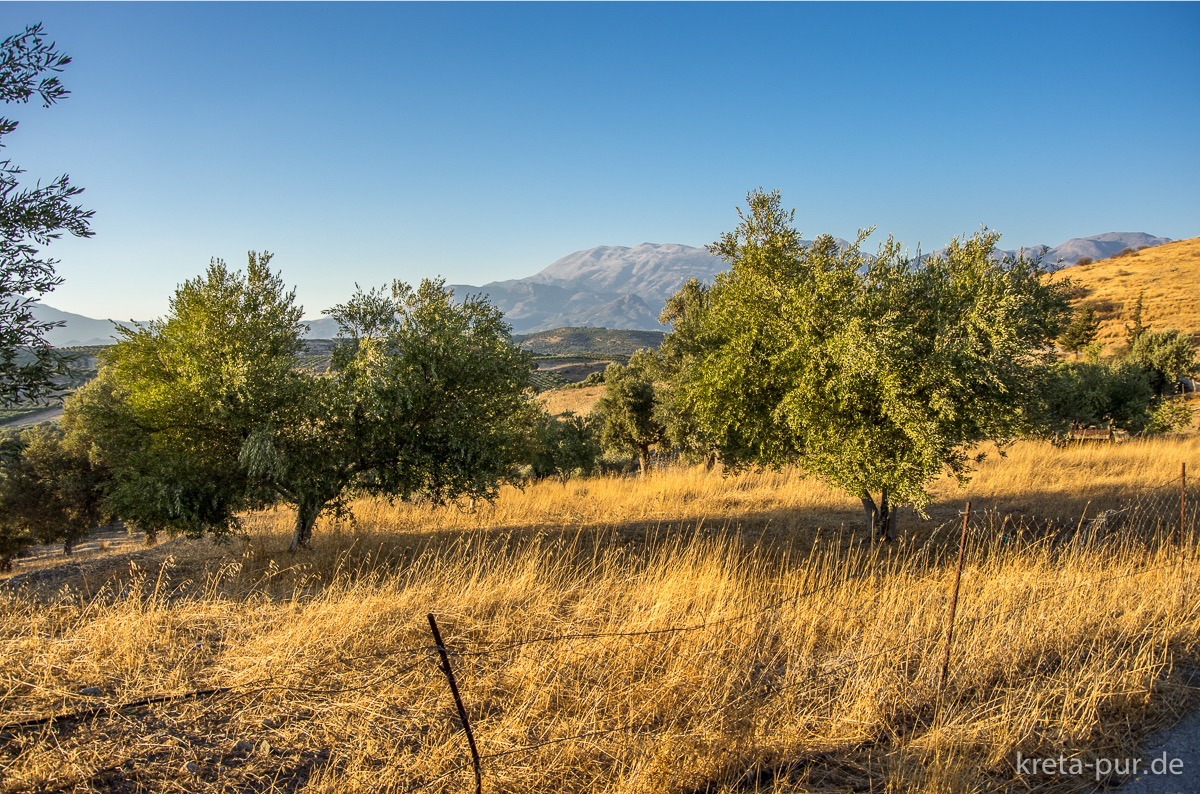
(587, 341)
(1168, 277)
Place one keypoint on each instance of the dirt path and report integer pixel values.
(1171, 764)
(1171, 761)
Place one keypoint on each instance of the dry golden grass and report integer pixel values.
(1169, 277)
(802, 665)
(579, 400)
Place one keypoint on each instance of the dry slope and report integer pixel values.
(1167, 275)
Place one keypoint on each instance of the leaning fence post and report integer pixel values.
(1182, 502)
(462, 711)
(962, 548)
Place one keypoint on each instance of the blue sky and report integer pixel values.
(366, 142)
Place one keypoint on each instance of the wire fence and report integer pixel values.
(1154, 518)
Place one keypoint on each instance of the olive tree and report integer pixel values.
(211, 411)
(876, 373)
(49, 491)
(626, 410)
(30, 218)
(1165, 356)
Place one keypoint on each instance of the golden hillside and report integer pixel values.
(1169, 277)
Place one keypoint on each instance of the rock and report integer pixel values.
(192, 768)
(243, 747)
(91, 691)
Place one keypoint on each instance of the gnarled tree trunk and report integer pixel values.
(306, 516)
(879, 518)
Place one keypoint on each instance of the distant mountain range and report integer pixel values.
(620, 287)
(605, 287)
(77, 329)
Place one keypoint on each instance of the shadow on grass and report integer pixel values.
(257, 563)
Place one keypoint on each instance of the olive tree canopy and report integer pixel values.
(877, 373)
(213, 409)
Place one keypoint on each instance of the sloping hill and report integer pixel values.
(1168, 277)
(588, 341)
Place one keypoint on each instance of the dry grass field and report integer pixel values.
(581, 400)
(685, 632)
(1169, 277)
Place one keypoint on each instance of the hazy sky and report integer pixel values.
(367, 142)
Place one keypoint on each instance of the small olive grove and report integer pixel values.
(876, 372)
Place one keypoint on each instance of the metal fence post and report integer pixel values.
(462, 711)
(962, 548)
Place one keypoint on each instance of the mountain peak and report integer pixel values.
(612, 286)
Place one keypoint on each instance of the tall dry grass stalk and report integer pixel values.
(621, 650)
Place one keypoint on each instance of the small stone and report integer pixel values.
(270, 723)
(264, 748)
(91, 691)
(191, 767)
(243, 747)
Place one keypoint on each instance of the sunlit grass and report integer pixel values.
(809, 659)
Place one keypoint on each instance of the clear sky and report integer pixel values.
(366, 142)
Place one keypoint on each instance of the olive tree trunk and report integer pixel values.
(306, 516)
(879, 517)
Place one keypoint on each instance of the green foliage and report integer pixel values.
(592, 379)
(1081, 331)
(30, 218)
(1165, 356)
(1135, 327)
(626, 410)
(1093, 392)
(175, 402)
(566, 446)
(683, 348)
(877, 373)
(49, 491)
(1171, 416)
(210, 411)
(441, 396)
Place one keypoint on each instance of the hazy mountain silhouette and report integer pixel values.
(605, 287)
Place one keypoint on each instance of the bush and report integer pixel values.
(1094, 392)
(1171, 416)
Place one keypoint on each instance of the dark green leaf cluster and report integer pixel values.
(50, 491)
(1095, 392)
(1165, 356)
(1081, 331)
(626, 412)
(1131, 390)
(566, 446)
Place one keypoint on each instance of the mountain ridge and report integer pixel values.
(618, 287)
